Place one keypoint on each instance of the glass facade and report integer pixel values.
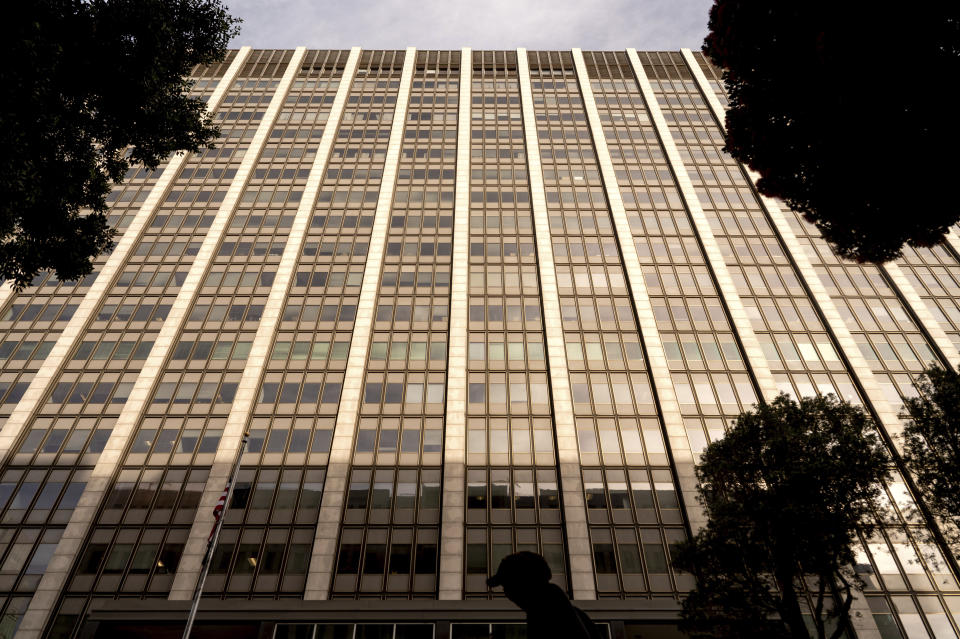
(299, 282)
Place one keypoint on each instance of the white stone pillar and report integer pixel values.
(454, 438)
(568, 451)
(861, 617)
(953, 239)
(680, 448)
(741, 323)
(324, 554)
(48, 372)
(6, 292)
(190, 562)
(58, 570)
(924, 317)
(834, 323)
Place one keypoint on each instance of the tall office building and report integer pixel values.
(465, 303)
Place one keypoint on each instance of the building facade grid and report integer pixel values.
(465, 303)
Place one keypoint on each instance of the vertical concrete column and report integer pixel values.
(887, 413)
(76, 327)
(229, 447)
(454, 434)
(925, 318)
(6, 292)
(341, 449)
(953, 239)
(568, 452)
(680, 448)
(741, 323)
(861, 618)
(45, 598)
(859, 367)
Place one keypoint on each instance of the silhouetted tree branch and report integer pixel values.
(91, 87)
(840, 107)
(932, 445)
(786, 492)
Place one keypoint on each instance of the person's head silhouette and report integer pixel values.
(524, 576)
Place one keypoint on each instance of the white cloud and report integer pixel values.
(451, 24)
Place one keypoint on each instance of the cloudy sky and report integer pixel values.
(481, 24)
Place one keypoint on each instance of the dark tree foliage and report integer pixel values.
(932, 445)
(784, 492)
(841, 108)
(83, 82)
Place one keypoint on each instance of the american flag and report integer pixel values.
(219, 508)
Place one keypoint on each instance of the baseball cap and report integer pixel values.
(524, 567)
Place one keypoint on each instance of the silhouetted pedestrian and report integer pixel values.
(525, 577)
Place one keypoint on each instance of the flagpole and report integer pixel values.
(212, 541)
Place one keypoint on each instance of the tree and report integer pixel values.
(932, 445)
(785, 493)
(840, 108)
(90, 88)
